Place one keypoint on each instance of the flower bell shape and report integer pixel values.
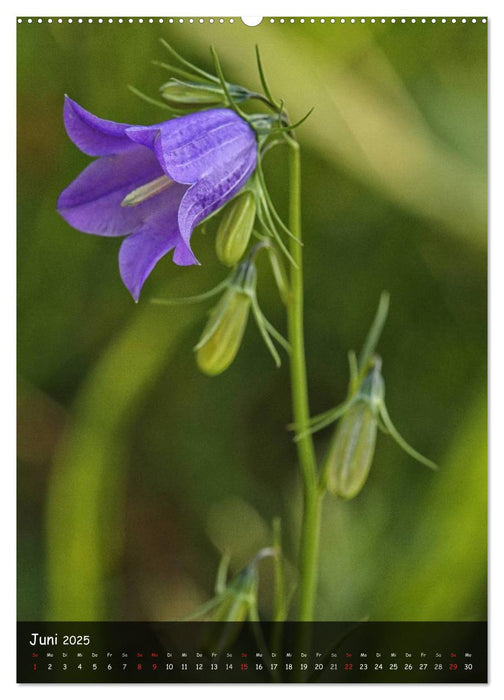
(154, 184)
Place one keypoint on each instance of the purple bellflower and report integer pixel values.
(154, 184)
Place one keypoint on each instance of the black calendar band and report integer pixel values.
(319, 652)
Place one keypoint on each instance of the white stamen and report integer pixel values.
(147, 191)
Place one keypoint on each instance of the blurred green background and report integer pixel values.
(135, 471)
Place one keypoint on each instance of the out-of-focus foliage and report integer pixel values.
(135, 470)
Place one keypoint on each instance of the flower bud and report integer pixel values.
(241, 592)
(235, 228)
(222, 336)
(238, 604)
(182, 94)
(352, 449)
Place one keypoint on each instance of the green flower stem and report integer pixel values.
(312, 500)
(279, 601)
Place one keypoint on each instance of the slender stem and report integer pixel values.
(312, 499)
(279, 606)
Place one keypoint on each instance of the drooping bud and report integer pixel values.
(352, 449)
(222, 336)
(238, 604)
(185, 94)
(239, 596)
(235, 228)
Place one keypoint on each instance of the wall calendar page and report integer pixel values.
(252, 349)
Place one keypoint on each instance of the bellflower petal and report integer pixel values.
(92, 202)
(141, 251)
(185, 129)
(188, 147)
(154, 184)
(210, 193)
(94, 136)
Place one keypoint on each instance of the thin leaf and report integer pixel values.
(279, 274)
(277, 336)
(322, 416)
(269, 204)
(264, 333)
(374, 334)
(238, 600)
(273, 233)
(381, 426)
(204, 609)
(194, 299)
(253, 611)
(178, 71)
(151, 100)
(291, 127)
(186, 63)
(402, 442)
(354, 370)
(264, 82)
(216, 316)
(330, 417)
(224, 85)
(222, 571)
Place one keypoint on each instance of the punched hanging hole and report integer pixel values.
(251, 21)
